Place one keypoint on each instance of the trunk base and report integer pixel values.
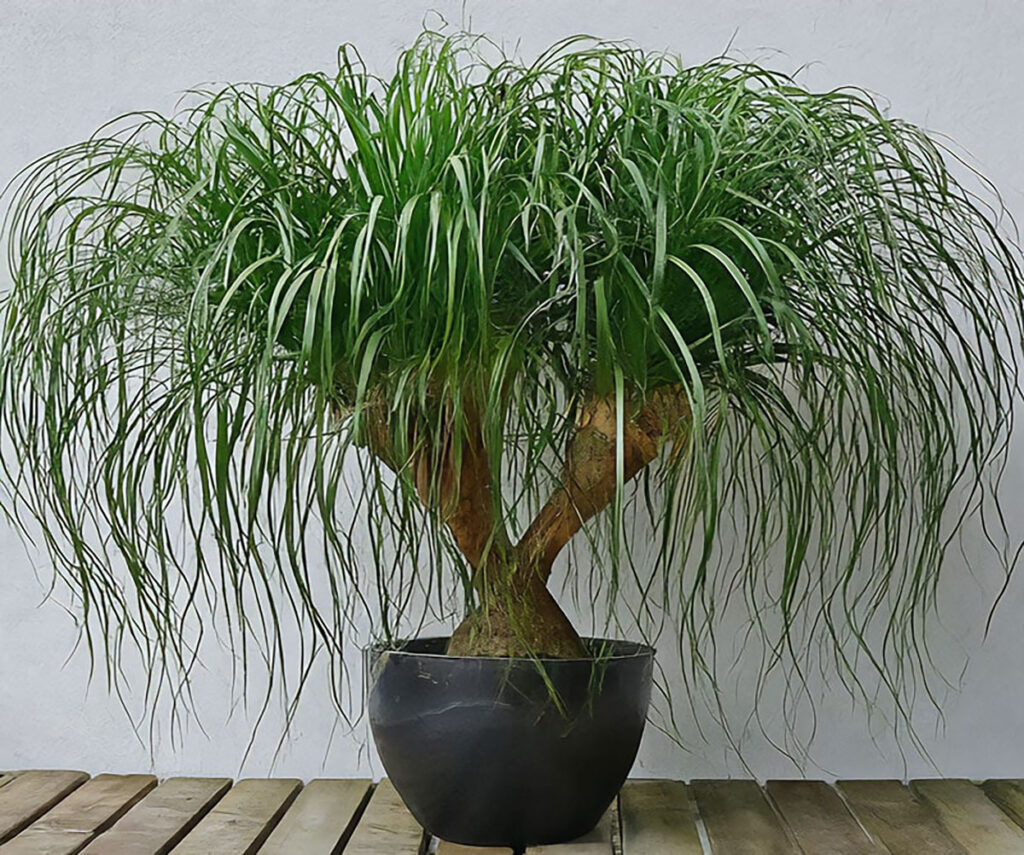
(528, 623)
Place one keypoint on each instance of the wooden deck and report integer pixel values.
(60, 812)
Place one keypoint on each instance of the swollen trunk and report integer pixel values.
(517, 616)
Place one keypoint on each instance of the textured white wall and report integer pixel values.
(66, 66)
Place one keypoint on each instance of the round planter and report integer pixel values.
(483, 754)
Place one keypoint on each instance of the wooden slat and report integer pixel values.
(386, 826)
(596, 842)
(739, 820)
(28, 795)
(446, 848)
(60, 812)
(898, 818)
(74, 821)
(321, 820)
(240, 822)
(971, 817)
(159, 822)
(1008, 793)
(819, 819)
(658, 818)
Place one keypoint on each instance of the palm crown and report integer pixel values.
(514, 285)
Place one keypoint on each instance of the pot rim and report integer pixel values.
(639, 650)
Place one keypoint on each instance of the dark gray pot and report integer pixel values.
(483, 755)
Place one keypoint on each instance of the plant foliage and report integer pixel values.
(208, 309)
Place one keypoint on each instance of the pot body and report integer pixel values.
(508, 752)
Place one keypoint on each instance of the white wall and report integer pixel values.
(65, 67)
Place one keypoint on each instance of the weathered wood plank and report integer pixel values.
(6, 777)
(971, 817)
(1008, 793)
(321, 819)
(898, 818)
(75, 820)
(28, 795)
(160, 820)
(240, 822)
(386, 826)
(658, 818)
(819, 819)
(598, 841)
(739, 820)
(446, 848)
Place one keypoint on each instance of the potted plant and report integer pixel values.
(516, 297)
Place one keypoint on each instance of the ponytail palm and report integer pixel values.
(516, 297)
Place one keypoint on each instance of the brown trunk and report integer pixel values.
(590, 478)
(517, 615)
